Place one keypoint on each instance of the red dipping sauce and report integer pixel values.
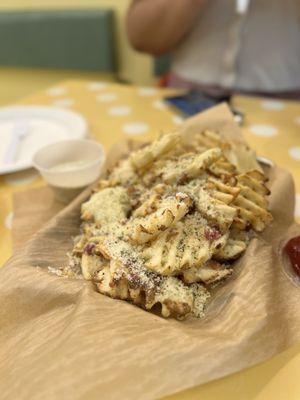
(292, 249)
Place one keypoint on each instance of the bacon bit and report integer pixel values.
(160, 188)
(171, 233)
(215, 265)
(212, 234)
(131, 190)
(177, 309)
(248, 226)
(89, 248)
(192, 208)
(143, 229)
(136, 203)
(183, 179)
(133, 280)
(162, 227)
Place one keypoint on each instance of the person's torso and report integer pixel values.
(258, 50)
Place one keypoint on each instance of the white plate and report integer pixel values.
(46, 125)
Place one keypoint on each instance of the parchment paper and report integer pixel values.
(60, 339)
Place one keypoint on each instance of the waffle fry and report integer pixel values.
(106, 206)
(247, 197)
(189, 244)
(251, 203)
(124, 174)
(232, 250)
(211, 273)
(189, 167)
(171, 210)
(215, 210)
(91, 264)
(144, 157)
(170, 219)
(176, 299)
(148, 206)
(237, 153)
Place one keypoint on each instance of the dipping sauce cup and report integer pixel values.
(69, 166)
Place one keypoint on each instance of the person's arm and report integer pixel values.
(156, 26)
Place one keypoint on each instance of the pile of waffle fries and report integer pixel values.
(170, 220)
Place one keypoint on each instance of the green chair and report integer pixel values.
(70, 39)
(162, 64)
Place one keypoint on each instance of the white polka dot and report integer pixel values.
(119, 111)
(94, 86)
(57, 91)
(177, 120)
(106, 97)
(297, 120)
(272, 105)
(147, 91)
(294, 152)
(159, 105)
(135, 128)
(8, 220)
(297, 206)
(21, 178)
(63, 103)
(263, 130)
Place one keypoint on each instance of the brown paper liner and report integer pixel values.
(60, 339)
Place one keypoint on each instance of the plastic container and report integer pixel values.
(286, 262)
(69, 166)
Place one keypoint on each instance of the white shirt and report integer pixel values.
(256, 49)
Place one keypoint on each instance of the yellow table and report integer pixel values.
(115, 112)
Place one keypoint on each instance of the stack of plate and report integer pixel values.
(26, 129)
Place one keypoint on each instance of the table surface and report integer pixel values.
(115, 112)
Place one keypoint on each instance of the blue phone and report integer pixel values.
(194, 102)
